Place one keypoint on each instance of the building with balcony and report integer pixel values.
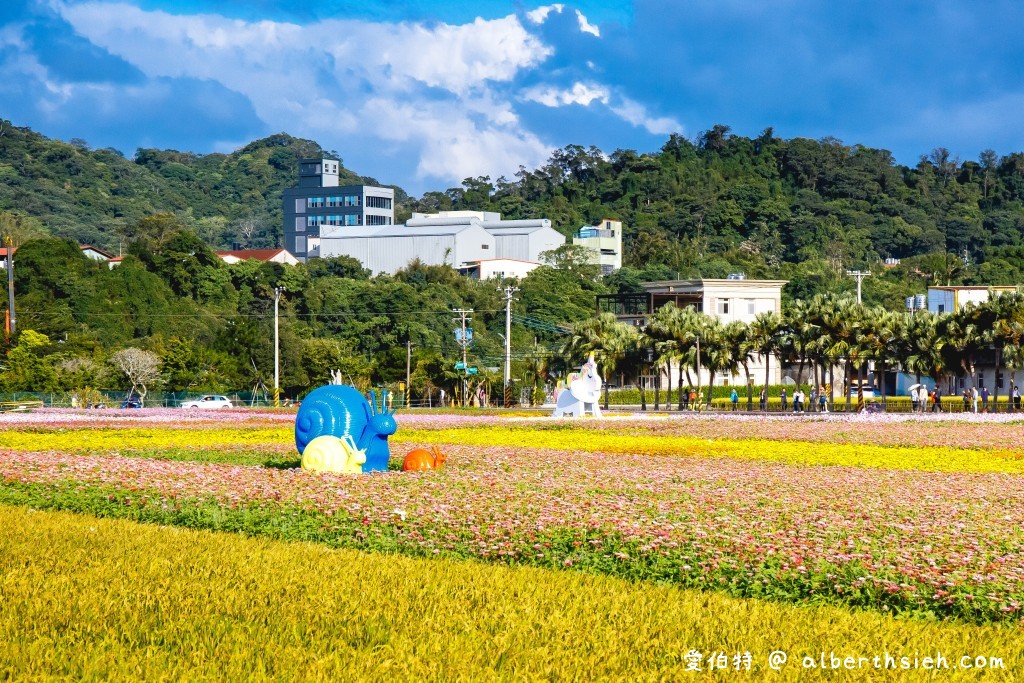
(605, 240)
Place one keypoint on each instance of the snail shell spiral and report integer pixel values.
(330, 410)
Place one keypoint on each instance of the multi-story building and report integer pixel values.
(735, 298)
(319, 200)
(605, 240)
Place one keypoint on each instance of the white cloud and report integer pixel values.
(636, 113)
(586, 26)
(540, 15)
(435, 88)
(584, 94)
(580, 93)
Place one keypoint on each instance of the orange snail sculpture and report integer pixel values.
(420, 459)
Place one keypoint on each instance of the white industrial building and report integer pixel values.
(388, 249)
(456, 238)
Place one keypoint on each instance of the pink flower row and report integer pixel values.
(941, 536)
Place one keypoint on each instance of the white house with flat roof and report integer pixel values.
(727, 300)
(500, 268)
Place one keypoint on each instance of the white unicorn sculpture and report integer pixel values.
(583, 394)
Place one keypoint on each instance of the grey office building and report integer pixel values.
(319, 200)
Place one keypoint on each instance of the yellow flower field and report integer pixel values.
(928, 458)
(87, 598)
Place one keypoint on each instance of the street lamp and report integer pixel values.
(277, 348)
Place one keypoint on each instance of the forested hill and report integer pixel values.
(803, 210)
(93, 195)
(800, 208)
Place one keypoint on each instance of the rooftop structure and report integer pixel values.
(267, 255)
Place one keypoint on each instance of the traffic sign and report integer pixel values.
(460, 365)
(471, 371)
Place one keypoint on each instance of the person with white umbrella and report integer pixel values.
(914, 396)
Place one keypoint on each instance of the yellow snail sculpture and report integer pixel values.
(331, 454)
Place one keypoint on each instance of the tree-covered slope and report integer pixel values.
(91, 196)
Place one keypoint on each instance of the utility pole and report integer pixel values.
(408, 369)
(508, 291)
(700, 390)
(860, 275)
(11, 318)
(277, 349)
(463, 341)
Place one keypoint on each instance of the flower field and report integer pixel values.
(920, 518)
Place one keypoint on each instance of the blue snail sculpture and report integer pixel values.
(340, 411)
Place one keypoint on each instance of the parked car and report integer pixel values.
(208, 401)
(132, 402)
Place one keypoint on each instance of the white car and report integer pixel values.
(208, 401)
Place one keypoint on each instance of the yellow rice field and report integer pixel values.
(86, 598)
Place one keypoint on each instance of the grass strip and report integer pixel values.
(88, 598)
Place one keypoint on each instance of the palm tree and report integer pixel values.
(963, 340)
(737, 341)
(605, 337)
(1004, 310)
(882, 334)
(765, 336)
(714, 351)
(677, 328)
(839, 321)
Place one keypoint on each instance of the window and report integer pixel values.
(378, 202)
(351, 200)
(300, 244)
(999, 380)
(377, 220)
(981, 381)
(300, 224)
(485, 246)
(314, 221)
(723, 307)
(300, 205)
(942, 308)
(315, 203)
(751, 307)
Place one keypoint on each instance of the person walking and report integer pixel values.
(967, 400)
(913, 399)
(764, 400)
(686, 398)
(734, 398)
(814, 399)
(1016, 397)
(937, 400)
(798, 400)
(785, 400)
(984, 399)
(822, 400)
(974, 400)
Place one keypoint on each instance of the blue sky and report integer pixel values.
(423, 94)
